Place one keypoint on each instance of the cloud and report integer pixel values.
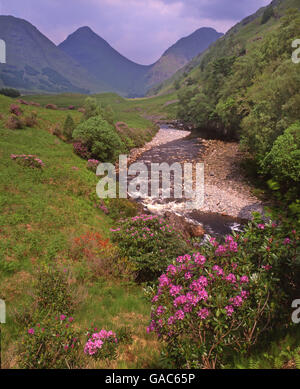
(139, 29)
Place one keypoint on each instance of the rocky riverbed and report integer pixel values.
(228, 199)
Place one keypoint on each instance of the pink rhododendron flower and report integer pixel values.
(203, 313)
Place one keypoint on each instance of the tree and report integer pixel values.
(69, 127)
(100, 138)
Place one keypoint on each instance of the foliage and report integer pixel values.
(28, 160)
(69, 127)
(52, 291)
(283, 161)
(92, 165)
(267, 15)
(100, 139)
(211, 303)
(101, 345)
(9, 92)
(14, 123)
(15, 109)
(51, 344)
(149, 242)
(31, 119)
(81, 150)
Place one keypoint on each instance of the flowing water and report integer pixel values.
(183, 150)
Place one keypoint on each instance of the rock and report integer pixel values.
(181, 224)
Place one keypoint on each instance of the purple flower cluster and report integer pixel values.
(28, 160)
(97, 340)
(189, 286)
(81, 150)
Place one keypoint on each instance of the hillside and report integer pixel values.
(180, 54)
(127, 77)
(35, 63)
(238, 39)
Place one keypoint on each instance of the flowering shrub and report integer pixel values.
(150, 243)
(220, 300)
(101, 345)
(81, 150)
(28, 160)
(15, 109)
(92, 164)
(51, 344)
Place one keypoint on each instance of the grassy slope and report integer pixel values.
(41, 211)
(131, 111)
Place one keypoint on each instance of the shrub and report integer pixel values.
(10, 92)
(91, 108)
(92, 165)
(28, 160)
(56, 130)
(283, 161)
(14, 123)
(15, 109)
(150, 243)
(30, 120)
(21, 101)
(81, 150)
(213, 303)
(100, 138)
(98, 255)
(101, 345)
(52, 291)
(51, 106)
(51, 344)
(69, 127)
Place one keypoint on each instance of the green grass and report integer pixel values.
(132, 111)
(41, 212)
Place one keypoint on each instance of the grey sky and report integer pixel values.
(139, 29)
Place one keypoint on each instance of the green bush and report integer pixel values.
(69, 127)
(9, 92)
(212, 304)
(52, 291)
(52, 343)
(100, 138)
(150, 243)
(283, 161)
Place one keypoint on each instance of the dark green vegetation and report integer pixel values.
(85, 62)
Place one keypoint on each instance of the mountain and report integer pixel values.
(34, 63)
(127, 77)
(104, 62)
(84, 62)
(180, 54)
(235, 42)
